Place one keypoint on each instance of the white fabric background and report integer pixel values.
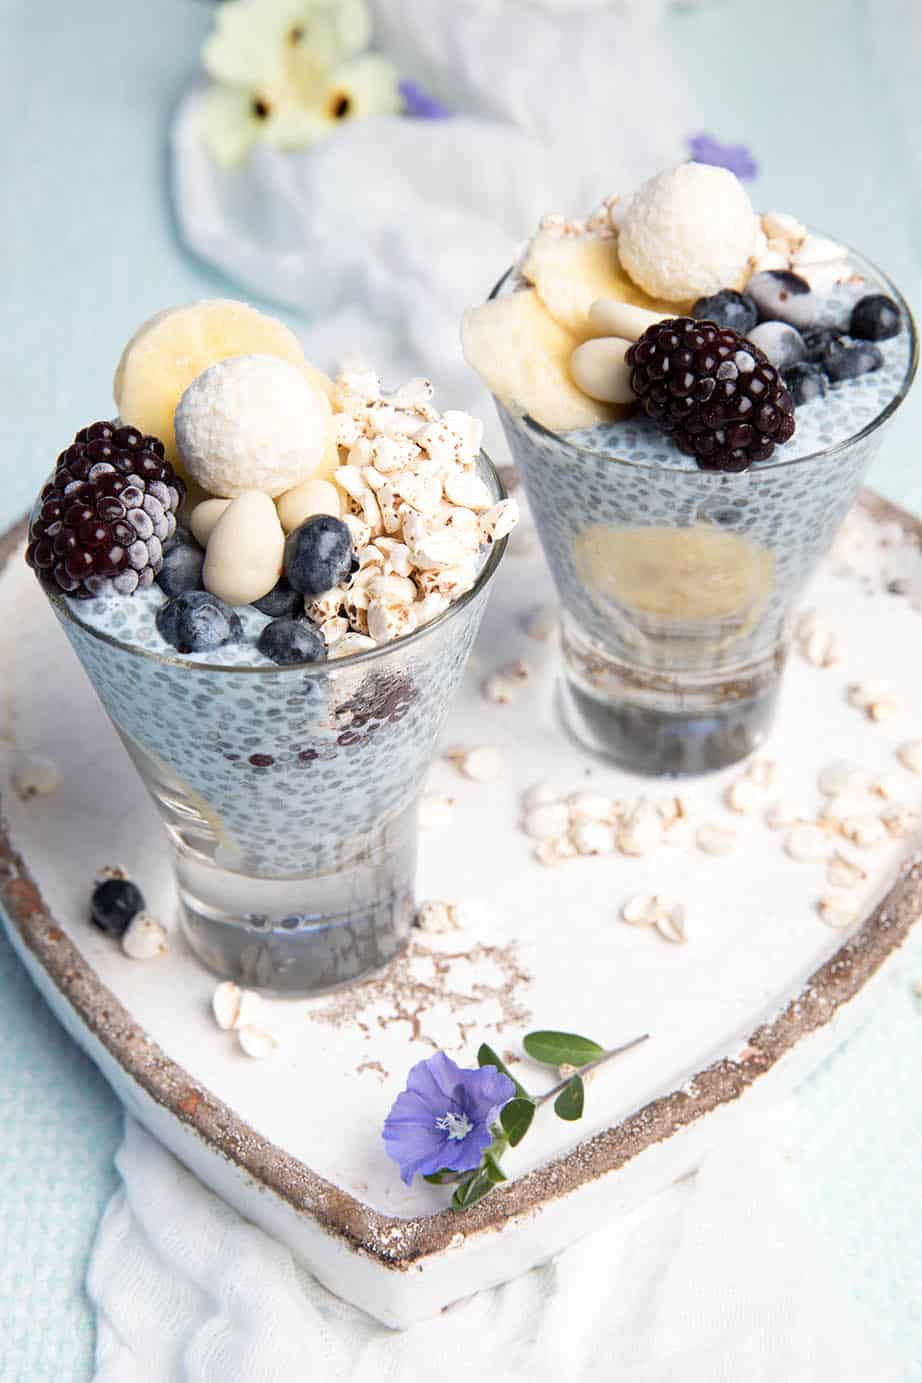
(411, 221)
(717, 1280)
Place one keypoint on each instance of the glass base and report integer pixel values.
(307, 935)
(658, 741)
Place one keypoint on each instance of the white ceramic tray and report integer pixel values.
(760, 992)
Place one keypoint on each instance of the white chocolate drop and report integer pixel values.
(305, 500)
(598, 368)
(244, 557)
(615, 318)
(204, 517)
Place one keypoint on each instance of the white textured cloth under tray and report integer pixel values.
(717, 1280)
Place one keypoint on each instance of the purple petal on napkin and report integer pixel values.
(418, 102)
(704, 148)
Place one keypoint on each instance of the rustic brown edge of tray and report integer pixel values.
(396, 1242)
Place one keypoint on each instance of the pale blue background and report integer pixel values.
(822, 91)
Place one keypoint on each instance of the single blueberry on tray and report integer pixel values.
(114, 903)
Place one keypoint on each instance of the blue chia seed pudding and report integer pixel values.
(277, 652)
(692, 395)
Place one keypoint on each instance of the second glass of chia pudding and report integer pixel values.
(273, 582)
(692, 394)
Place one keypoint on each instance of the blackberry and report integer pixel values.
(713, 391)
(105, 514)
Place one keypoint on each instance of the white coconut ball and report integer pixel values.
(688, 233)
(252, 422)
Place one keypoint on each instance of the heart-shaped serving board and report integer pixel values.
(758, 995)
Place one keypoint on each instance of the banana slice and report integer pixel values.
(570, 273)
(523, 357)
(170, 350)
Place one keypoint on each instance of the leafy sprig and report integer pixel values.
(549, 1048)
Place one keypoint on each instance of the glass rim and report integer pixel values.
(325, 666)
(529, 423)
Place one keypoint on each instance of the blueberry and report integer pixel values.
(181, 538)
(819, 341)
(181, 570)
(114, 903)
(318, 555)
(292, 641)
(875, 318)
(783, 344)
(197, 621)
(845, 361)
(781, 296)
(281, 600)
(805, 382)
(728, 309)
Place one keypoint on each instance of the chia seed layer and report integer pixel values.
(268, 770)
(591, 486)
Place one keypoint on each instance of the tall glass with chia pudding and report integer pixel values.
(275, 600)
(692, 395)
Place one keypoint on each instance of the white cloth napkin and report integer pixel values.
(383, 233)
(717, 1280)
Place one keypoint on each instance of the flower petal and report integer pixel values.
(464, 1154)
(435, 1080)
(435, 1087)
(294, 127)
(410, 1108)
(485, 1096)
(365, 86)
(248, 43)
(228, 126)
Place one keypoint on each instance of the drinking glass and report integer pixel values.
(289, 794)
(677, 585)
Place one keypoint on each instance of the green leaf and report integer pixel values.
(516, 1117)
(569, 1103)
(492, 1168)
(471, 1191)
(561, 1048)
(487, 1057)
(440, 1178)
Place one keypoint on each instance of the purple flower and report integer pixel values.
(418, 102)
(704, 148)
(442, 1120)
